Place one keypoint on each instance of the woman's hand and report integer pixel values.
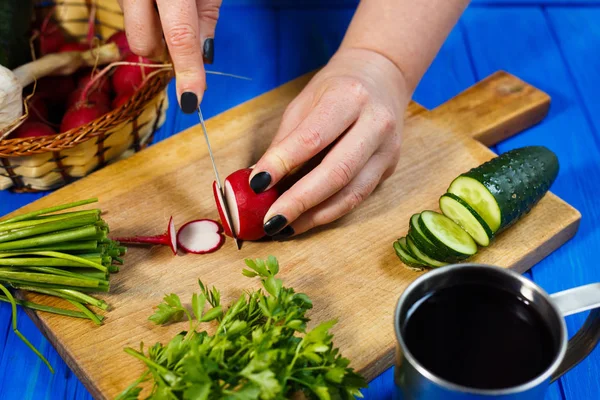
(357, 101)
(189, 30)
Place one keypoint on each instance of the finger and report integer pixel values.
(180, 25)
(208, 15)
(337, 169)
(344, 201)
(143, 28)
(334, 112)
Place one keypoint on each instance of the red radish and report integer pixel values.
(169, 238)
(200, 237)
(103, 83)
(130, 77)
(56, 88)
(95, 97)
(121, 99)
(73, 46)
(81, 114)
(247, 208)
(32, 129)
(51, 37)
(120, 38)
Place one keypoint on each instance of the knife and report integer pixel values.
(212, 159)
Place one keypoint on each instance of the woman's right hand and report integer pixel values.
(188, 27)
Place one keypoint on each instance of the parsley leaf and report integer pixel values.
(260, 348)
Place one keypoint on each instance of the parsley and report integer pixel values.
(261, 348)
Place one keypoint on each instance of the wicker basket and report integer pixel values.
(44, 163)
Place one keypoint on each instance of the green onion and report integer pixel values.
(90, 273)
(58, 271)
(83, 245)
(46, 219)
(48, 210)
(43, 261)
(86, 311)
(77, 261)
(81, 233)
(49, 309)
(48, 227)
(33, 277)
(16, 330)
(17, 282)
(68, 294)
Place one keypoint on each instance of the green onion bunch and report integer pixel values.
(60, 254)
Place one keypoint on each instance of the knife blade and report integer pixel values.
(219, 187)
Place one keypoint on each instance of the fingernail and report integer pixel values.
(260, 181)
(189, 102)
(284, 233)
(274, 225)
(208, 50)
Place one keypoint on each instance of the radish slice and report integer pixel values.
(232, 206)
(220, 208)
(200, 236)
(172, 235)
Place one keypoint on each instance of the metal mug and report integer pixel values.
(414, 382)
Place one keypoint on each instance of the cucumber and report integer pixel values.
(507, 187)
(460, 212)
(445, 233)
(405, 256)
(422, 257)
(426, 246)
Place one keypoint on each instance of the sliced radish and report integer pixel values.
(169, 238)
(220, 206)
(247, 208)
(200, 237)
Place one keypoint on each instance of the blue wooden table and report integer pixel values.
(553, 45)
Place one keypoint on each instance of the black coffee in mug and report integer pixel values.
(479, 336)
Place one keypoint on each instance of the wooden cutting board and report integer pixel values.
(349, 268)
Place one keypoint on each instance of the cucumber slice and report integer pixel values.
(404, 246)
(442, 231)
(475, 194)
(424, 258)
(426, 246)
(505, 188)
(460, 212)
(405, 257)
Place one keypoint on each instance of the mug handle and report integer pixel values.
(573, 301)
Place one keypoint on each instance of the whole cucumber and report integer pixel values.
(517, 179)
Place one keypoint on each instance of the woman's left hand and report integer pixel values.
(357, 101)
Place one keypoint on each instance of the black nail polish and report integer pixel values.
(274, 225)
(260, 182)
(208, 50)
(284, 233)
(189, 102)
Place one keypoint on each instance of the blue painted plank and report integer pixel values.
(318, 4)
(529, 51)
(308, 38)
(577, 32)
